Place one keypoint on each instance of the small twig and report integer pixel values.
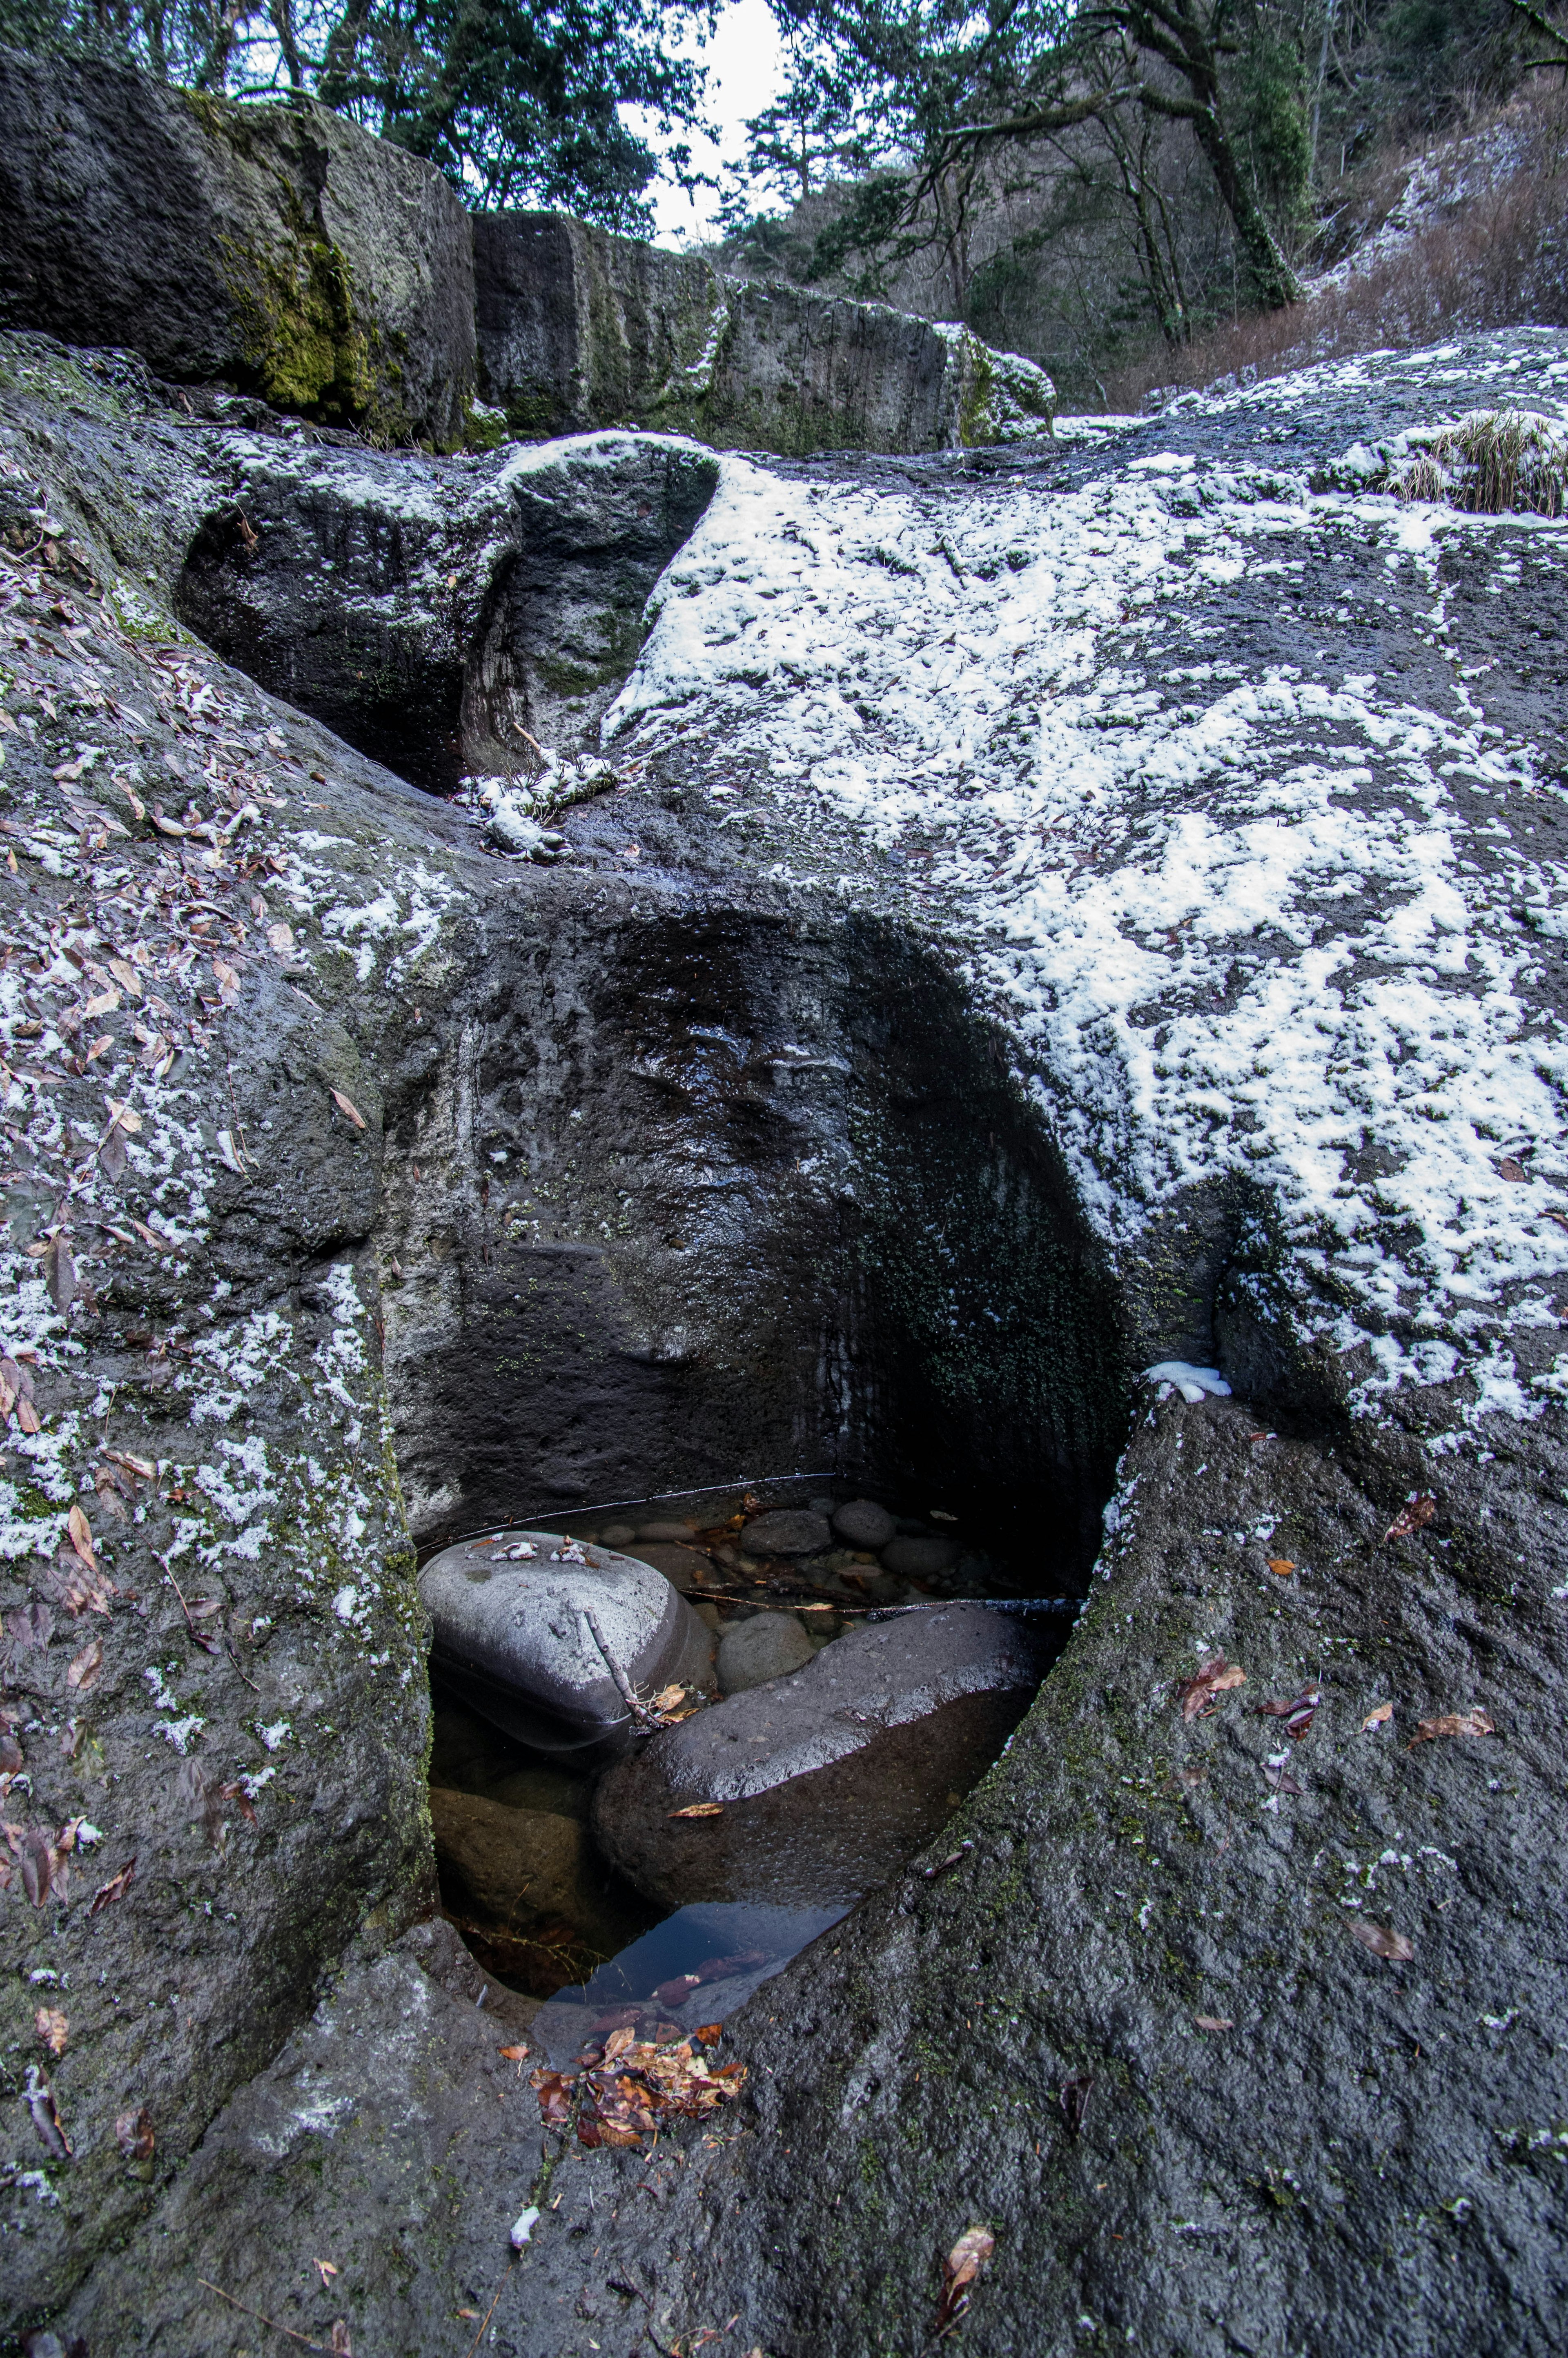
(623, 1687)
(303, 2339)
(490, 2312)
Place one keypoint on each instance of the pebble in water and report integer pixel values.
(864, 1524)
(768, 1646)
(788, 1530)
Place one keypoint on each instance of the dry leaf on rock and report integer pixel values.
(700, 1810)
(81, 1532)
(1073, 2098)
(52, 2028)
(133, 2134)
(1216, 1677)
(1283, 1564)
(512, 2054)
(115, 1888)
(1411, 1517)
(1453, 1723)
(1214, 2022)
(30, 1625)
(341, 2346)
(1382, 1939)
(59, 1273)
(1379, 1716)
(1297, 1714)
(959, 2270)
(1511, 1168)
(46, 2114)
(348, 1108)
(83, 1668)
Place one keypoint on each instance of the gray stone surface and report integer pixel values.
(578, 329)
(278, 247)
(768, 1646)
(787, 1530)
(645, 1145)
(827, 1779)
(553, 1650)
(864, 1523)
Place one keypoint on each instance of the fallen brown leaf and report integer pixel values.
(1453, 1723)
(59, 1273)
(46, 2114)
(52, 2028)
(81, 1532)
(1412, 1517)
(710, 2033)
(1214, 2022)
(83, 1668)
(115, 1888)
(133, 2134)
(348, 1108)
(1216, 1677)
(512, 2054)
(1381, 1939)
(700, 1810)
(1379, 1716)
(959, 2270)
(1297, 1714)
(1283, 1564)
(30, 1625)
(326, 2270)
(1510, 1169)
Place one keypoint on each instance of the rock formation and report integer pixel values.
(279, 247)
(578, 329)
(1056, 914)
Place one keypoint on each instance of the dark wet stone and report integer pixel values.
(768, 1646)
(827, 1779)
(787, 1530)
(684, 1567)
(543, 1642)
(919, 1558)
(682, 1533)
(864, 1524)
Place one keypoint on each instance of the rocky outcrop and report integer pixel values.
(578, 329)
(1052, 919)
(279, 247)
(815, 1787)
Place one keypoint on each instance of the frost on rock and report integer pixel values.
(1236, 916)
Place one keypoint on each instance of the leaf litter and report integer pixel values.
(620, 2093)
(1216, 1678)
(960, 2272)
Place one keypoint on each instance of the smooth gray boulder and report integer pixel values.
(578, 329)
(864, 1523)
(769, 1646)
(826, 1781)
(551, 1640)
(277, 246)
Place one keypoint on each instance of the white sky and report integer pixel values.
(745, 70)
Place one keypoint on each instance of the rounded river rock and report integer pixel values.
(828, 1780)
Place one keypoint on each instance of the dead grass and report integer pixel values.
(1489, 462)
(1497, 260)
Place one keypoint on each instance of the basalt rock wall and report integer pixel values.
(279, 247)
(578, 329)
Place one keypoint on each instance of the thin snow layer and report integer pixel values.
(1237, 920)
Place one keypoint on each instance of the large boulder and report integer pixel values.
(532, 1878)
(821, 1784)
(277, 246)
(552, 1639)
(578, 329)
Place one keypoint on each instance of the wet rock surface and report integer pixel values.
(553, 1642)
(822, 1783)
(278, 247)
(533, 1247)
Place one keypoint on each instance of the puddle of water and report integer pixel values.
(698, 1540)
(696, 1967)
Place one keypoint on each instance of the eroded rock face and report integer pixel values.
(279, 247)
(552, 1648)
(769, 1148)
(448, 618)
(580, 329)
(827, 1779)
